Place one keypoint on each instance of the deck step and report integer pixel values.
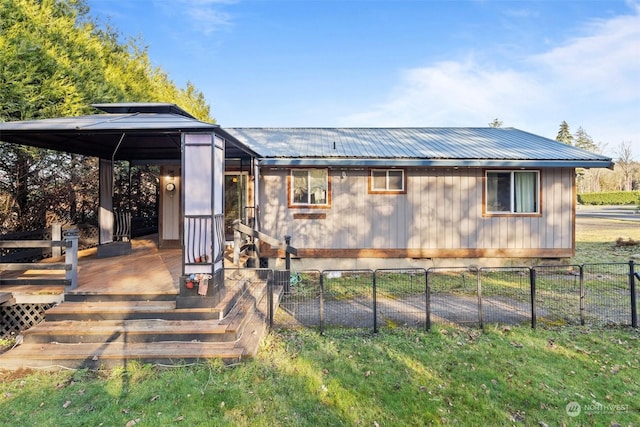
(102, 297)
(140, 330)
(7, 298)
(112, 354)
(122, 310)
(108, 333)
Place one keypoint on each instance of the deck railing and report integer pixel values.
(69, 244)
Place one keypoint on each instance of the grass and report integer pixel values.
(502, 376)
(596, 241)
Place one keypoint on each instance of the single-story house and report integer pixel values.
(348, 197)
(398, 197)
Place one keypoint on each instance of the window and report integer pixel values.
(511, 192)
(309, 187)
(387, 181)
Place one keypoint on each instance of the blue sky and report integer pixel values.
(304, 63)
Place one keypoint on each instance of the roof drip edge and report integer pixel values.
(494, 163)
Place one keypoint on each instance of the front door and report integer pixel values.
(235, 201)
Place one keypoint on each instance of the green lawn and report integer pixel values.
(503, 376)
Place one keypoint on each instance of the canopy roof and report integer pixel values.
(139, 132)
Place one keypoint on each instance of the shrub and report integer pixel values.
(610, 198)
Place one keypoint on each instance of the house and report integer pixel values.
(348, 197)
(415, 197)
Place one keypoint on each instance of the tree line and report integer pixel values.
(56, 61)
(625, 175)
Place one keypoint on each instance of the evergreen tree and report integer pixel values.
(496, 123)
(584, 141)
(564, 135)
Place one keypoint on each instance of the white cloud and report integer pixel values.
(591, 81)
(203, 16)
(454, 94)
(606, 61)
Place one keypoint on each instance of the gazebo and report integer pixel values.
(191, 155)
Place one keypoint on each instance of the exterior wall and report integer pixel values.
(169, 224)
(440, 216)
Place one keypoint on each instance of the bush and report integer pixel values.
(610, 198)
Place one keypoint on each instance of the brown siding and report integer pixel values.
(441, 213)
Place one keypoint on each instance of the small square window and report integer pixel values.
(387, 181)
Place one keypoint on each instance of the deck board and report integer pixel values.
(138, 326)
(115, 353)
(144, 271)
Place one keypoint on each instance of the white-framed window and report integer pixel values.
(387, 181)
(512, 192)
(309, 187)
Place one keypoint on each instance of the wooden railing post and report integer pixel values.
(71, 256)
(237, 242)
(56, 236)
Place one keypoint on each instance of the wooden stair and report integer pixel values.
(93, 333)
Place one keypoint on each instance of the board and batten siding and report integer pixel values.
(441, 215)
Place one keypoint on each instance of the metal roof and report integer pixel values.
(485, 147)
(142, 132)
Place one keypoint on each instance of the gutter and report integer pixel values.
(493, 163)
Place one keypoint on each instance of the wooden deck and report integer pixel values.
(146, 271)
(124, 309)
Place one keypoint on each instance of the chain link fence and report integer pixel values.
(591, 294)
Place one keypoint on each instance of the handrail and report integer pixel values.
(239, 228)
(237, 225)
(70, 266)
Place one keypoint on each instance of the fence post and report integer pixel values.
(322, 302)
(270, 288)
(632, 286)
(287, 263)
(428, 300)
(56, 236)
(287, 255)
(71, 256)
(375, 305)
(582, 296)
(532, 279)
(479, 287)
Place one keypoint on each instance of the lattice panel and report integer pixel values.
(19, 317)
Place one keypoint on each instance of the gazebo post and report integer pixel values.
(105, 211)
